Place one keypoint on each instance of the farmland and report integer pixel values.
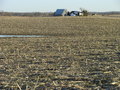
(77, 53)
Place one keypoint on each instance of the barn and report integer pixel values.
(61, 12)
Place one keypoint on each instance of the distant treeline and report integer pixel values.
(106, 13)
(31, 14)
(47, 14)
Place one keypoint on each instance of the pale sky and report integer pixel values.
(52, 5)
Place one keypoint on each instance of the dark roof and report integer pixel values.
(60, 12)
(75, 12)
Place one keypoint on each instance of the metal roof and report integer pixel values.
(60, 12)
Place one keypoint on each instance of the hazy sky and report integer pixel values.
(52, 5)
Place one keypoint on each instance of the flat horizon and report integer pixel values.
(51, 6)
(49, 11)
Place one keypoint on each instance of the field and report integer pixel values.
(77, 53)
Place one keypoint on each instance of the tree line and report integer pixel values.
(32, 14)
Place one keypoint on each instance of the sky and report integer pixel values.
(52, 5)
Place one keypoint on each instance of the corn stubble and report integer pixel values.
(78, 53)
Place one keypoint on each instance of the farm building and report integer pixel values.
(61, 12)
(75, 13)
(64, 12)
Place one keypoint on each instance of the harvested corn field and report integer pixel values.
(78, 53)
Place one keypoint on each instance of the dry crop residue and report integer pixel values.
(82, 53)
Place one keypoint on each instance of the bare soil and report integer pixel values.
(81, 53)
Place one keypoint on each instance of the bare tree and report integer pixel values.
(84, 11)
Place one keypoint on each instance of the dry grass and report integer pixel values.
(82, 53)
